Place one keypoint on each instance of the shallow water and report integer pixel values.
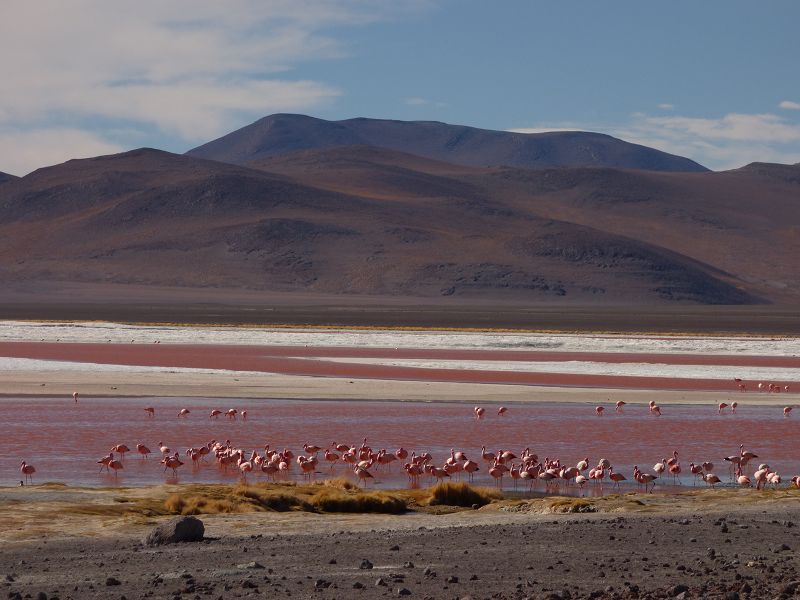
(63, 439)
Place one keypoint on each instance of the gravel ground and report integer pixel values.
(751, 553)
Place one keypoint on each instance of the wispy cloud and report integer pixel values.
(726, 142)
(416, 101)
(666, 106)
(789, 105)
(190, 69)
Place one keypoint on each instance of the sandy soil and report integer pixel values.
(705, 544)
(244, 385)
(261, 359)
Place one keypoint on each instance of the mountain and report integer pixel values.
(280, 134)
(4, 177)
(358, 222)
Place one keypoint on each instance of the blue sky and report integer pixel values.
(715, 80)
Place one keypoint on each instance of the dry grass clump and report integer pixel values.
(334, 500)
(333, 496)
(461, 494)
(572, 505)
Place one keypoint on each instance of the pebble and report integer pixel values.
(365, 564)
(113, 581)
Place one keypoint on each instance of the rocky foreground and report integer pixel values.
(752, 553)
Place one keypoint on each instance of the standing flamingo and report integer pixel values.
(479, 412)
(618, 406)
(143, 450)
(502, 410)
(215, 413)
(75, 396)
(786, 411)
(733, 407)
(720, 407)
(184, 412)
(151, 412)
(115, 466)
(599, 410)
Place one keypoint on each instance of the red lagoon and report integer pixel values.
(64, 439)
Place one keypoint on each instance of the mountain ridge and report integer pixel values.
(459, 144)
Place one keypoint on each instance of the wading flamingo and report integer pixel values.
(618, 406)
(786, 411)
(151, 412)
(479, 412)
(75, 396)
(184, 412)
(599, 410)
(720, 407)
(502, 410)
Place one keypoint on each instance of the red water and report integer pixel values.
(63, 439)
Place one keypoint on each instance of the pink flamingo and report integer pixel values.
(581, 481)
(244, 415)
(121, 449)
(471, 467)
(711, 479)
(215, 413)
(618, 406)
(479, 411)
(599, 410)
(744, 481)
(151, 412)
(231, 413)
(75, 396)
(143, 450)
(103, 462)
(115, 466)
(184, 412)
(363, 475)
(720, 407)
(733, 407)
(502, 410)
(786, 411)
(617, 478)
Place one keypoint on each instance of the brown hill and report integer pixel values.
(281, 134)
(4, 177)
(363, 222)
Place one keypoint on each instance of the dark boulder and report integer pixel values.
(179, 529)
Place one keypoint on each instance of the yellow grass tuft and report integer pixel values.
(335, 500)
(461, 494)
(572, 505)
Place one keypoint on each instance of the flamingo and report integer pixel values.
(151, 411)
(121, 449)
(184, 412)
(215, 413)
(711, 479)
(786, 411)
(471, 467)
(143, 450)
(231, 413)
(363, 475)
(618, 406)
(244, 415)
(75, 396)
(733, 407)
(163, 449)
(103, 462)
(796, 481)
(720, 407)
(599, 410)
(497, 474)
(502, 410)
(479, 412)
(116, 466)
(616, 477)
(656, 410)
(744, 481)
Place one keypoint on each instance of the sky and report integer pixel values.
(717, 81)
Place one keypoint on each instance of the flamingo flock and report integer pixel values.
(525, 469)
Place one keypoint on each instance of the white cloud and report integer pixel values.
(789, 105)
(726, 142)
(416, 101)
(666, 106)
(193, 69)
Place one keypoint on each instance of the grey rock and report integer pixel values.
(179, 529)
